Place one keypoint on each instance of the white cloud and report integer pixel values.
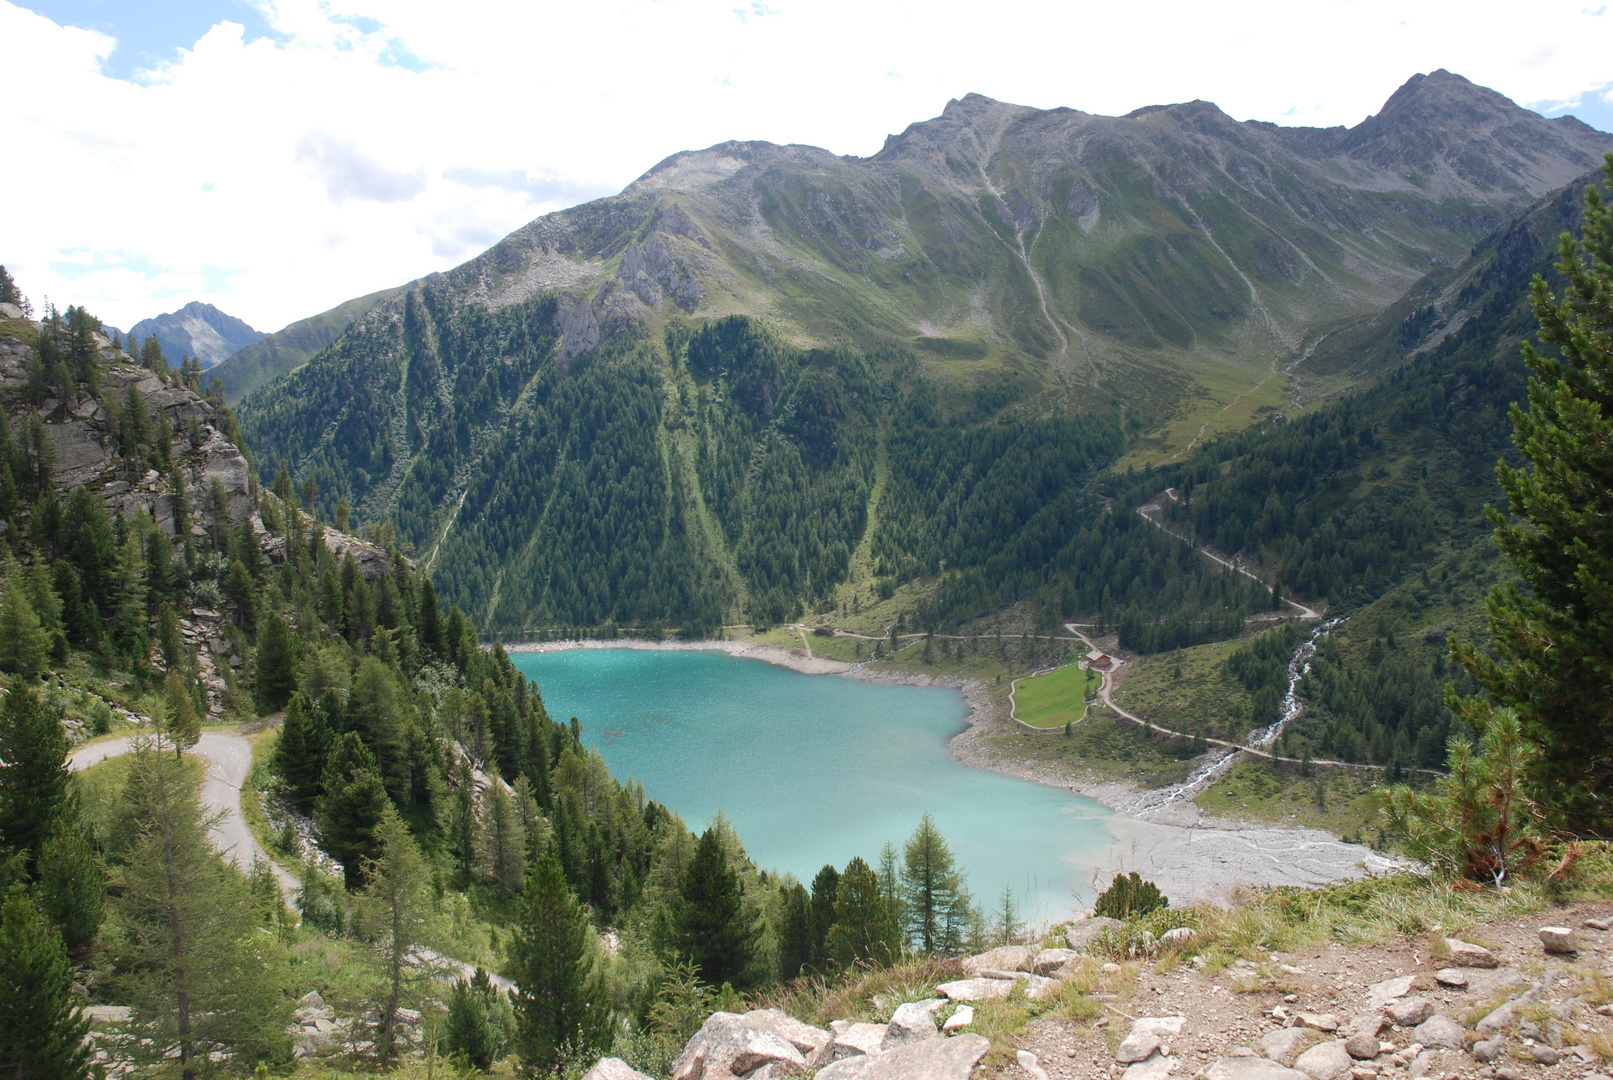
(375, 143)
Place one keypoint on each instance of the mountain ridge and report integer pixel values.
(198, 329)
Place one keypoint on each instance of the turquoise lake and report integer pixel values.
(814, 769)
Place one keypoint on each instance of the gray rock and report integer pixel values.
(1439, 1063)
(1491, 983)
(1283, 1044)
(1155, 1068)
(613, 1069)
(726, 1046)
(1409, 1012)
(856, 1040)
(961, 1018)
(1324, 1061)
(1487, 1050)
(1138, 1046)
(809, 1040)
(1505, 1015)
(1179, 938)
(1086, 931)
(1028, 1062)
(909, 1023)
(11, 311)
(1466, 954)
(1453, 977)
(1251, 1068)
(1558, 940)
(1319, 1021)
(1382, 993)
(111, 1014)
(1367, 1023)
(1165, 1027)
(931, 1059)
(1598, 924)
(1006, 958)
(1546, 1055)
(1441, 1031)
(1362, 1046)
(1050, 960)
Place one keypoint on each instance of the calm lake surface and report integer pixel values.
(817, 769)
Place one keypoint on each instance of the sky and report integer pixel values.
(277, 157)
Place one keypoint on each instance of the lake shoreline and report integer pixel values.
(1191, 856)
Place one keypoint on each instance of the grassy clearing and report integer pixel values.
(1342, 801)
(1100, 748)
(1055, 699)
(1188, 690)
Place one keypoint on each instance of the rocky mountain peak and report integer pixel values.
(201, 330)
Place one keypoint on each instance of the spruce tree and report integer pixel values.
(821, 917)
(562, 1005)
(24, 645)
(714, 931)
(301, 750)
(276, 663)
(352, 806)
(41, 1029)
(1553, 639)
(33, 772)
(70, 884)
(795, 936)
(864, 929)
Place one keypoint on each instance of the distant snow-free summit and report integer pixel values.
(199, 330)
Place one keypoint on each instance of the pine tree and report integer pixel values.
(931, 886)
(714, 931)
(795, 935)
(201, 978)
(352, 806)
(276, 663)
(33, 772)
(477, 1021)
(42, 1032)
(239, 589)
(863, 929)
(1553, 639)
(561, 1006)
(394, 907)
(301, 750)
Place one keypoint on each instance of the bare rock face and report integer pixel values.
(1466, 954)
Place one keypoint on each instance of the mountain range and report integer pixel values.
(768, 377)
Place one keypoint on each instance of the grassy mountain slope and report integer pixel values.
(998, 305)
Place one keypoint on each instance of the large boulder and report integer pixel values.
(804, 1037)
(1050, 960)
(857, 1040)
(928, 1059)
(977, 989)
(1284, 1044)
(727, 1047)
(1409, 1012)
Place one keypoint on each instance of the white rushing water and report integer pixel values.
(1299, 665)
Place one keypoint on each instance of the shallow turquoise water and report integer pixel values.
(817, 769)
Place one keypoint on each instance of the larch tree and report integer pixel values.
(1552, 638)
(200, 977)
(931, 887)
(394, 909)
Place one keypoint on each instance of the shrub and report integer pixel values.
(1129, 896)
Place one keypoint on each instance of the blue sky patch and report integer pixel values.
(151, 34)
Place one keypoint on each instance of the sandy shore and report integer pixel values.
(1190, 856)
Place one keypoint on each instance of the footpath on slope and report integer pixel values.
(228, 756)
